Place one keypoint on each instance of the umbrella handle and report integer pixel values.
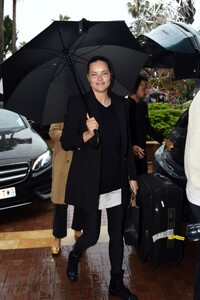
(95, 141)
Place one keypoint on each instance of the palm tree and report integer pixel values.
(63, 18)
(7, 36)
(1, 30)
(187, 10)
(148, 16)
(14, 33)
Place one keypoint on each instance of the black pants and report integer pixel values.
(91, 231)
(196, 219)
(60, 221)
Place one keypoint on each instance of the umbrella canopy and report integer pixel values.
(173, 45)
(38, 78)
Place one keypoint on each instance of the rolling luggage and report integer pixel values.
(160, 236)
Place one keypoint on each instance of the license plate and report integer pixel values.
(7, 193)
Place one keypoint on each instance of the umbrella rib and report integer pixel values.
(81, 32)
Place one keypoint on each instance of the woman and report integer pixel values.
(98, 177)
(61, 163)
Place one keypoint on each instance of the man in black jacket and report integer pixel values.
(140, 125)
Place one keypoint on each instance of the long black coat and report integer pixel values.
(84, 175)
(140, 125)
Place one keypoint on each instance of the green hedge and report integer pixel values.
(163, 117)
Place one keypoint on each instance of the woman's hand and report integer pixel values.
(91, 124)
(168, 143)
(138, 151)
(133, 186)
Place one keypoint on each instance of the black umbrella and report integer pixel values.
(38, 78)
(173, 45)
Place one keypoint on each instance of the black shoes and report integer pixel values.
(72, 267)
(118, 289)
(122, 292)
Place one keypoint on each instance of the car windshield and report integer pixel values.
(10, 120)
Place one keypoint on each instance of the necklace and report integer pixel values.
(106, 102)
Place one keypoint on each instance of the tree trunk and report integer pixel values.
(1, 31)
(14, 35)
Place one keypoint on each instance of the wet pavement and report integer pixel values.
(28, 270)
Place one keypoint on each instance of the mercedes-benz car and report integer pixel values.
(25, 162)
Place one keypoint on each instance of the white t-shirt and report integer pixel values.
(192, 197)
(192, 152)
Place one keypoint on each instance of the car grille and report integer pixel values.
(12, 174)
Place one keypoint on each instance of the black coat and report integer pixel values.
(84, 175)
(140, 125)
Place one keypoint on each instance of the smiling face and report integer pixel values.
(99, 76)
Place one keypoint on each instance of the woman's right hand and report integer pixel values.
(91, 124)
(138, 151)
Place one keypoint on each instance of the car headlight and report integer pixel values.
(42, 161)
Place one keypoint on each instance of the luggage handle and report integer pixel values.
(163, 178)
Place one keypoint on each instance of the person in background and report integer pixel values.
(60, 168)
(192, 172)
(100, 177)
(140, 125)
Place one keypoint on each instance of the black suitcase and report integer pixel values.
(160, 202)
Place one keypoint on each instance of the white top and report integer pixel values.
(193, 198)
(110, 199)
(192, 152)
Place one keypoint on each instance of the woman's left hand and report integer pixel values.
(133, 186)
(169, 144)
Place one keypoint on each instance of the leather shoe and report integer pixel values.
(72, 267)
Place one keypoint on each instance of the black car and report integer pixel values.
(43, 131)
(25, 162)
(170, 162)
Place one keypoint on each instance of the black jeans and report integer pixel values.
(195, 209)
(60, 220)
(91, 231)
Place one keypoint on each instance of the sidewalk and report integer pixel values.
(29, 272)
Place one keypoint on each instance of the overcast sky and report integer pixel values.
(33, 16)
